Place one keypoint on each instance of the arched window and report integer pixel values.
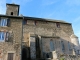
(63, 47)
(52, 45)
(69, 46)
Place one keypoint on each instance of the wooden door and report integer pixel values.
(10, 56)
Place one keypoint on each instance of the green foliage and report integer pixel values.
(61, 58)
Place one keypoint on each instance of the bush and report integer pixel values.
(61, 58)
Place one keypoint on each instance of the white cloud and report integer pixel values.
(2, 6)
(20, 1)
(73, 2)
(48, 2)
(77, 19)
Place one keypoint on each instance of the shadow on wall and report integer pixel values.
(67, 48)
(61, 46)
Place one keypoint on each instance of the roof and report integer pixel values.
(19, 17)
(12, 4)
(35, 18)
(46, 19)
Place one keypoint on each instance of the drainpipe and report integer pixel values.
(22, 36)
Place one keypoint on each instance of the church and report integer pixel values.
(25, 38)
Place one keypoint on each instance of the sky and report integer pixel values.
(67, 10)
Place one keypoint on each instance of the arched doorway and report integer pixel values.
(24, 53)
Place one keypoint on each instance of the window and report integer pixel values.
(4, 22)
(2, 36)
(35, 22)
(63, 48)
(58, 25)
(69, 46)
(52, 45)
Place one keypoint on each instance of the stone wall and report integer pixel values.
(13, 45)
(44, 28)
(46, 47)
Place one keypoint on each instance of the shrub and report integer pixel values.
(61, 58)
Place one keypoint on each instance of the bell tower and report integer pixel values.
(12, 9)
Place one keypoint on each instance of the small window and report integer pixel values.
(11, 13)
(4, 22)
(35, 22)
(58, 25)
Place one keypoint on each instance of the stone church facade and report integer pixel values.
(23, 37)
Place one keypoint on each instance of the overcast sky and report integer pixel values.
(67, 10)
